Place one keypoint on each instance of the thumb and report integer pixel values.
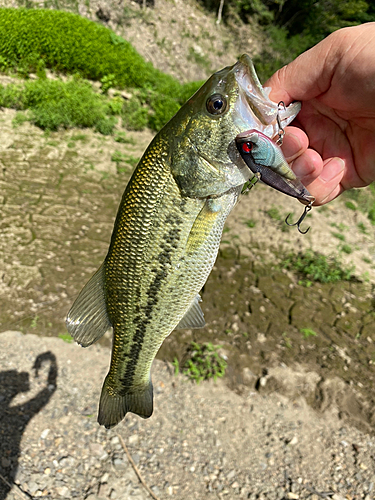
(308, 76)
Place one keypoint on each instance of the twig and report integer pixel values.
(219, 14)
(16, 489)
(323, 494)
(136, 470)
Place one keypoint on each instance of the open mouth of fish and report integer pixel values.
(254, 105)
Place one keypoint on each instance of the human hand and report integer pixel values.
(332, 145)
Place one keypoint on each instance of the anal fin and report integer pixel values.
(87, 319)
(194, 317)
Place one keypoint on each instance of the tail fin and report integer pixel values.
(113, 408)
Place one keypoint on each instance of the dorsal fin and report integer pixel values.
(194, 317)
(87, 319)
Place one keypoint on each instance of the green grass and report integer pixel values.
(66, 337)
(308, 332)
(79, 137)
(287, 340)
(122, 138)
(364, 200)
(317, 267)
(119, 157)
(34, 321)
(69, 43)
(33, 40)
(362, 228)
(54, 104)
(346, 249)
(339, 236)
(274, 213)
(204, 362)
(350, 205)
(250, 223)
(341, 227)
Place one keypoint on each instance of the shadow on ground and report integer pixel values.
(14, 419)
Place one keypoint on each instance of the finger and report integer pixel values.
(308, 76)
(308, 166)
(328, 184)
(295, 142)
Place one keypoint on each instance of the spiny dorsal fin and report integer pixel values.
(194, 317)
(87, 320)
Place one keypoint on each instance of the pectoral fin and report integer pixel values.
(87, 320)
(203, 224)
(194, 317)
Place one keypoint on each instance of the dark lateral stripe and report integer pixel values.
(164, 260)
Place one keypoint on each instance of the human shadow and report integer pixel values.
(14, 419)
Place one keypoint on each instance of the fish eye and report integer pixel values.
(247, 147)
(216, 104)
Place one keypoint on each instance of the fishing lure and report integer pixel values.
(266, 160)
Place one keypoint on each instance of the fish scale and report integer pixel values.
(167, 234)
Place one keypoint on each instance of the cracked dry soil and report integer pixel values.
(293, 417)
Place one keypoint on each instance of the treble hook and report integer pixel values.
(250, 183)
(281, 131)
(300, 220)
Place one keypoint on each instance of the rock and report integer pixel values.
(63, 491)
(133, 439)
(45, 433)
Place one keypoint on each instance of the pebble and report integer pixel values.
(263, 454)
(133, 439)
(63, 491)
(45, 433)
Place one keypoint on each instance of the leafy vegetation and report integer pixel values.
(69, 43)
(274, 213)
(317, 267)
(66, 337)
(33, 40)
(346, 249)
(250, 223)
(292, 26)
(362, 228)
(364, 199)
(339, 236)
(350, 205)
(122, 138)
(308, 332)
(54, 103)
(204, 362)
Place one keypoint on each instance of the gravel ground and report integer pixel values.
(203, 441)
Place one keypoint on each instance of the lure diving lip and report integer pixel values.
(265, 159)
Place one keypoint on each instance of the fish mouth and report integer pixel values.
(254, 106)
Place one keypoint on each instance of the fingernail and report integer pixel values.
(332, 169)
(292, 146)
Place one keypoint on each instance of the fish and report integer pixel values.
(167, 232)
(265, 158)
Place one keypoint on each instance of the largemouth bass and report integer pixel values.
(167, 233)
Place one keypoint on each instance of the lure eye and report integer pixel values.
(247, 147)
(216, 104)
